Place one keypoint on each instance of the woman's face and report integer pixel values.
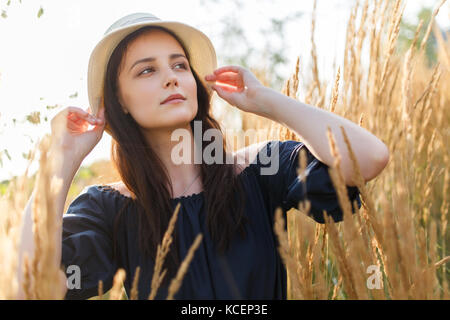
(143, 86)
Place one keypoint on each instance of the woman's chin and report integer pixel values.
(179, 120)
(174, 116)
(180, 113)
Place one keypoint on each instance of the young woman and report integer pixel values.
(148, 78)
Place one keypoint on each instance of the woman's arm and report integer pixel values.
(244, 91)
(310, 124)
(65, 171)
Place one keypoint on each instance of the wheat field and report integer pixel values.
(394, 247)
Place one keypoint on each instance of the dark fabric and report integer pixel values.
(250, 269)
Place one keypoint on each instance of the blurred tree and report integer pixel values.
(5, 5)
(408, 30)
(237, 48)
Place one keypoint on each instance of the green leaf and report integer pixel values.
(74, 95)
(8, 3)
(7, 154)
(40, 12)
(3, 188)
(4, 15)
(34, 117)
(84, 174)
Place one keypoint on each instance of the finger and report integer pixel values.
(73, 127)
(227, 68)
(227, 83)
(76, 110)
(228, 76)
(74, 116)
(227, 80)
(80, 122)
(75, 119)
(235, 85)
(100, 126)
(101, 113)
(80, 118)
(82, 114)
(222, 89)
(76, 128)
(225, 93)
(225, 75)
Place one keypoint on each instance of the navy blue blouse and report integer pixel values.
(250, 269)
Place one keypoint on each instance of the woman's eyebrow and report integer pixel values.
(150, 59)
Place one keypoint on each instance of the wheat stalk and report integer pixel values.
(176, 282)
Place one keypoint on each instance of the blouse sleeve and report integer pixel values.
(87, 244)
(283, 188)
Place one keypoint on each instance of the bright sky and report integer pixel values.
(44, 61)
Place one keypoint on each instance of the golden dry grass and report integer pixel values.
(402, 225)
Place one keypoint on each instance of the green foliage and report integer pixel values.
(237, 49)
(4, 152)
(34, 117)
(73, 95)
(4, 13)
(84, 174)
(3, 188)
(408, 30)
(40, 12)
(53, 107)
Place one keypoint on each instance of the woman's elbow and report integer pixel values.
(370, 168)
(379, 162)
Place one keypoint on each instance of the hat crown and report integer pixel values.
(131, 19)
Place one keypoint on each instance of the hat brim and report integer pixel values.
(199, 48)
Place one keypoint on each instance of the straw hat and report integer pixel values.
(199, 48)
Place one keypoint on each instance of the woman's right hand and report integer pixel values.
(70, 134)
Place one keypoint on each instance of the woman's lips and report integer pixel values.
(174, 101)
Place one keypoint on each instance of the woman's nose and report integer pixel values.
(171, 79)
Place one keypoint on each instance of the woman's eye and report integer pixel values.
(182, 64)
(143, 71)
(151, 69)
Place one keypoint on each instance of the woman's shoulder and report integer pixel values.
(94, 204)
(108, 197)
(120, 188)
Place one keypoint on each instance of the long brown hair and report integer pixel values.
(146, 177)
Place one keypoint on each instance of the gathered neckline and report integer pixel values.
(189, 196)
(105, 188)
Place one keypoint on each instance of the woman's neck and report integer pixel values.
(178, 158)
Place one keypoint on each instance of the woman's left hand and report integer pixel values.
(236, 85)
